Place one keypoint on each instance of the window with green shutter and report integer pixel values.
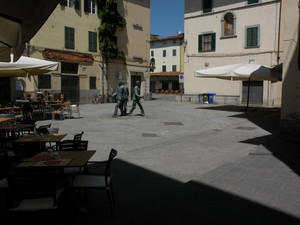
(92, 41)
(90, 6)
(207, 6)
(252, 36)
(69, 38)
(253, 1)
(207, 42)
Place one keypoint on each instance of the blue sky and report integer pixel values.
(166, 17)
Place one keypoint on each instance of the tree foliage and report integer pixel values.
(110, 21)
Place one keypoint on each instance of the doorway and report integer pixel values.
(256, 92)
(70, 88)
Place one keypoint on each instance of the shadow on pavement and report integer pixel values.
(145, 197)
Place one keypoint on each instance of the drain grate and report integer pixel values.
(245, 128)
(149, 135)
(174, 123)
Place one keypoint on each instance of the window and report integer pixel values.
(44, 81)
(207, 42)
(207, 6)
(164, 53)
(252, 36)
(174, 52)
(174, 41)
(92, 82)
(152, 53)
(92, 41)
(90, 6)
(71, 68)
(164, 68)
(228, 24)
(174, 68)
(252, 1)
(69, 38)
(71, 3)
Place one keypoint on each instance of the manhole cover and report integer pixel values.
(174, 123)
(149, 135)
(245, 128)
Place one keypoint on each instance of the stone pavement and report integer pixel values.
(188, 163)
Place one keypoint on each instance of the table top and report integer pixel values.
(15, 127)
(42, 138)
(58, 159)
(5, 119)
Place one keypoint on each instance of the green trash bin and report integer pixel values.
(205, 97)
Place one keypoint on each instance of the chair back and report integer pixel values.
(113, 153)
(32, 185)
(53, 130)
(45, 126)
(42, 130)
(71, 145)
(77, 137)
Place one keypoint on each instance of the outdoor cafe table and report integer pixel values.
(59, 159)
(13, 128)
(42, 138)
(5, 119)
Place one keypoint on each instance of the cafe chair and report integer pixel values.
(71, 145)
(33, 192)
(78, 137)
(98, 181)
(74, 109)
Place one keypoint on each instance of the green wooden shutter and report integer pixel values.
(72, 37)
(66, 37)
(200, 43)
(252, 37)
(92, 41)
(87, 6)
(213, 42)
(64, 2)
(252, 1)
(77, 4)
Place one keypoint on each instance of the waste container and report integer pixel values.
(211, 98)
(205, 98)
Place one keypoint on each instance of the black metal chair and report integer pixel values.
(34, 191)
(99, 182)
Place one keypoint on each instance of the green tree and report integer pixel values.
(110, 21)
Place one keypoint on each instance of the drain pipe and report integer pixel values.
(279, 32)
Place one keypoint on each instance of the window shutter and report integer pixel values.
(200, 43)
(64, 2)
(77, 4)
(72, 37)
(255, 36)
(249, 37)
(66, 38)
(213, 42)
(87, 6)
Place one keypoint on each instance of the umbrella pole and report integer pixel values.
(248, 95)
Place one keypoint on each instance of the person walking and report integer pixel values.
(126, 94)
(120, 98)
(136, 99)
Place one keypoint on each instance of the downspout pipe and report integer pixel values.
(279, 32)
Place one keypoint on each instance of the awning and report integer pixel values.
(26, 66)
(252, 71)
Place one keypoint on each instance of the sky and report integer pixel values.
(166, 17)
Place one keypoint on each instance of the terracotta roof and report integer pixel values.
(166, 74)
(180, 36)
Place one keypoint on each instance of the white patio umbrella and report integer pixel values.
(19, 22)
(26, 66)
(245, 72)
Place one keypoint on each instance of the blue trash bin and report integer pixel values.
(211, 98)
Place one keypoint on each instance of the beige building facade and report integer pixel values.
(224, 32)
(290, 112)
(69, 37)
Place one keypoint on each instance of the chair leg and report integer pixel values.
(112, 194)
(110, 203)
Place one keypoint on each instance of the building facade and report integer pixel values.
(166, 57)
(70, 36)
(290, 111)
(224, 32)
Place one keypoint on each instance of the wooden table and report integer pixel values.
(14, 128)
(59, 159)
(5, 119)
(42, 138)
